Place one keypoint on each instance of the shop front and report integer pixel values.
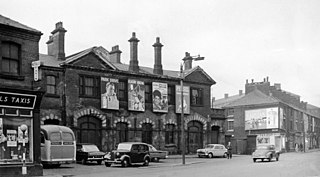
(19, 133)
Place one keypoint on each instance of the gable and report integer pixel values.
(198, 76)
(91, 60)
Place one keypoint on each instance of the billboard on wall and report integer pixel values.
(261, 119)
(136, 95)
(186, 99)
(109, 98)
(160, 97)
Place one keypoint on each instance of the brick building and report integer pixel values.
(267, 114)
(106, 101)
(19, 100)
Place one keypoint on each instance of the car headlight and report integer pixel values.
(107, 156)
(117, 154)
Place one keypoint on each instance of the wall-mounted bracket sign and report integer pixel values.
(15, 100)
(36, 71)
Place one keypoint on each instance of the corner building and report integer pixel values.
(107, 102)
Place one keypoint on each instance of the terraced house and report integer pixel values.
(106, 101)
(267, 114)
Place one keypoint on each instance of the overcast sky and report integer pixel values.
(240, 39)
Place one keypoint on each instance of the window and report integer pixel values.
(148, 93)
(171, 94)
(51, 85)
(89, 86)
(196, 96)
(169, 134)
(123, 91)
(10, 62)
(230, 125)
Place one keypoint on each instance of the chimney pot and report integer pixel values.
(240, 92)
(187, 61)
(226, 95)
(133, 65)
(157, 68)
(115, 54)
(56, 42)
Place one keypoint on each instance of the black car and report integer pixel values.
(89, 153)
(128, 153)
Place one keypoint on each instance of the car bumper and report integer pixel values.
(117, 161)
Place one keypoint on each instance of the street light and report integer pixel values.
(24, 128)
(190, 58)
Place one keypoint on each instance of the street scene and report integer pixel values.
(289, 165)
(159, 88)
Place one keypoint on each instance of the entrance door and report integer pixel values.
(215, 134)
(90, 128)
(194, 136)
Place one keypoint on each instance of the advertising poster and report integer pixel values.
(20, 135)
(109, 90)
(160, 97)
(261, 119)
(12, 138)
(136, 95)
(186, 99)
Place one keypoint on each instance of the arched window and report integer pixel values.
(170, 133)
(90, 128)
(122, 132)
(147, 133)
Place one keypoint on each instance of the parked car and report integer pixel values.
(128, 153)
(156, 155)
(89, 153)
(265, 152)
(213, 150)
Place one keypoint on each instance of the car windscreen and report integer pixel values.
(209, 146)
(124, 146)
(90, 148)
(262, 147)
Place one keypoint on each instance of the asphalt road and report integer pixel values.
(290, 165)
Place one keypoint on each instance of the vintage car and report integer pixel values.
(156, 155)
(213, 150)
(128, 153)
(265, 152)
(87, 152)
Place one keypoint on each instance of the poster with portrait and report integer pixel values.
(12, 138)
(109, 90)
(186, 99)
(136, 95)
(160, 97)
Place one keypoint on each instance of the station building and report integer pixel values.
(267, 114)
(106, 101)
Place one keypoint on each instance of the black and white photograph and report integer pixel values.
(170, 88)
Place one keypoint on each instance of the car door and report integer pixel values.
(216, 150)
(135, 153)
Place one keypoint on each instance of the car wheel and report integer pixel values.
(99, 162)
(107, 164)
(83, 161)
(199, 156)
(277, 158)
(225, 155)
(125, 163)
(146, 162)
(210, 155)
(254, 160)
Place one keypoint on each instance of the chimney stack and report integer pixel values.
(56, 42)
(240, 92)
(226, 95)
(134, 65)
(157, 68)
(187, 61)
(115, 54)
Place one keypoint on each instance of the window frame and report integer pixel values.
(11, 75)
(148, 92)
(51, 85)
(123, 92)
(171, 94)
(199, 99)
(95, 86)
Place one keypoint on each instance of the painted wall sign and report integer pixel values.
(15, 100)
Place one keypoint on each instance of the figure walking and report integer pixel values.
(229, 148)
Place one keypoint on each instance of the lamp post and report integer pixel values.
(24, 128)
(183, 148)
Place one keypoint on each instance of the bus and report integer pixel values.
(58, 145)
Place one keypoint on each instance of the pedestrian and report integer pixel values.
(229, 148)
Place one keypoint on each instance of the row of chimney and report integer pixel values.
(56, 48)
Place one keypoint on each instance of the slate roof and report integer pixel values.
(220, 103)
(104, 55)
(7, 21)
(256, 97)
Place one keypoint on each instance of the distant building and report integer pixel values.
(267, 114)
(107, 102)
(19, 100)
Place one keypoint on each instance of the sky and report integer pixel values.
(240, 39)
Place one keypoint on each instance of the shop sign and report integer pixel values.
(15, 100)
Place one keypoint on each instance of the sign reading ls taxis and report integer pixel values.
(15, 100)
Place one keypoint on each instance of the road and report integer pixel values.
(290, 165)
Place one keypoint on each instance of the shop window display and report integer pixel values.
(15, 139)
